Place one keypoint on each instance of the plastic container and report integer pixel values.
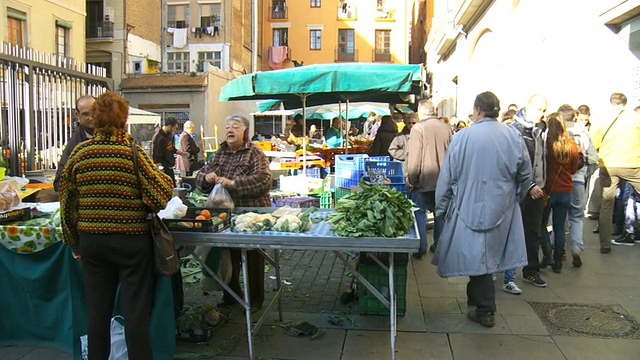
(367, 302)
(389, 168)
(350, 168)
(189, 223)
(341, 192)
(397, 182)
(298, 201)
(326, 200)
(2, 171)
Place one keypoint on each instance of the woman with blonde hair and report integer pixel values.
(562, 162)
(104, 204)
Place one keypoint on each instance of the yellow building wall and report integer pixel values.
(40, 27)
(301, 18)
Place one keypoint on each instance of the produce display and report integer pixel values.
(285, 221)
(201, 220)
(376, 211)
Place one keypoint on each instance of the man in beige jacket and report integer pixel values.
(427, 145)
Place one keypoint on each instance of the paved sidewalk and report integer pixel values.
(435, 325)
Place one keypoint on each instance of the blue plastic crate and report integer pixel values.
(352, 167)
(390, 168)
(397, 182)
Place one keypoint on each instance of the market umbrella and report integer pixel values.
(364, 110)
(319, 113)
(320, 84)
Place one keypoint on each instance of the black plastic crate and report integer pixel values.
(190, 223)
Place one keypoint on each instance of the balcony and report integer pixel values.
(381, 55)
(344, 54)
(385, 14)
(278, 13)
(100, 30)
(347, 12)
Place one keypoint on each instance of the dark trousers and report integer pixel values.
(482, 293)
(609, 178)
(169, 171)
(255, 263)
(532, 223)
(108, 260)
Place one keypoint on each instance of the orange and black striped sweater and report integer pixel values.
(100, 192)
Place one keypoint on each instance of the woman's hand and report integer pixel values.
(225, 182)
(536, 193)
(211, 178)
(76, 255)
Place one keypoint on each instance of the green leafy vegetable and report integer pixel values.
(376, 211)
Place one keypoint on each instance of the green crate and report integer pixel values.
(379, 278)
(326, 202)
(340, 192)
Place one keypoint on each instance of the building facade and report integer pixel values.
(325, 31)
(578, 53)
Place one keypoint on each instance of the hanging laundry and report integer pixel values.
(277, 56)
(180, 38)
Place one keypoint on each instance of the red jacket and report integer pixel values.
(559, 177)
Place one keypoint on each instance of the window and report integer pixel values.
(16, 27)
(178, 62)
(212, 57)
(279, 10)
(383, 45)
(62, 41)
(178, 16)
(137, 67)
(315, 39)
(281, 37)
(315, 3)
(346, 45)
(210, 15)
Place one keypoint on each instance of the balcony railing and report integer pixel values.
(347, 12)
(100, 30)
(385, 14)
(343, 54)
(278, 13)
(381, 55)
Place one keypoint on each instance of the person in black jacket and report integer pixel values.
(386, 133)
(163, 150)
(83, 132)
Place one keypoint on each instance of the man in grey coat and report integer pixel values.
(486, 173)
(427, 145)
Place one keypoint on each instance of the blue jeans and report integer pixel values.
(559, 203)
(426, 200)
(509, 275)
(576, 217)
(631, 200)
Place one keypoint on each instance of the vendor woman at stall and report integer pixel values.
(243, 169)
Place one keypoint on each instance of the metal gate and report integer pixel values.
(38, 93)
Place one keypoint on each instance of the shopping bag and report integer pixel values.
(118, 341)
(219, 198)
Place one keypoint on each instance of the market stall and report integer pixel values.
(43, 293)
(319, 237)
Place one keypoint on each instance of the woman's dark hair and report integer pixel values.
(488, 103)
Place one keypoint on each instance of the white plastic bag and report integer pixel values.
(175, 209)
(118, 341)
(219, 198)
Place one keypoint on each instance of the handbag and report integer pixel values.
(165, 255)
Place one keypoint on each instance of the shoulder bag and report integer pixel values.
(165, 256)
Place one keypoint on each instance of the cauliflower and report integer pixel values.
(253, 222)
(287, 223)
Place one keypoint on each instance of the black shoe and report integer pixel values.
(418, 255)
(617, 230)
(597, 229)
(626, 239)
(535, 280)
(577, 259)
(486, 320)
(545, 262)
(432, 248)
(557, 266)
(593, 216)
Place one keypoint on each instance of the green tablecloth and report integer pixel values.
(43, 303)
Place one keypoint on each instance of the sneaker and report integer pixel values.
(577, 259)
(486, 320)
(512, 288)
(626, 239)
(536, 280)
